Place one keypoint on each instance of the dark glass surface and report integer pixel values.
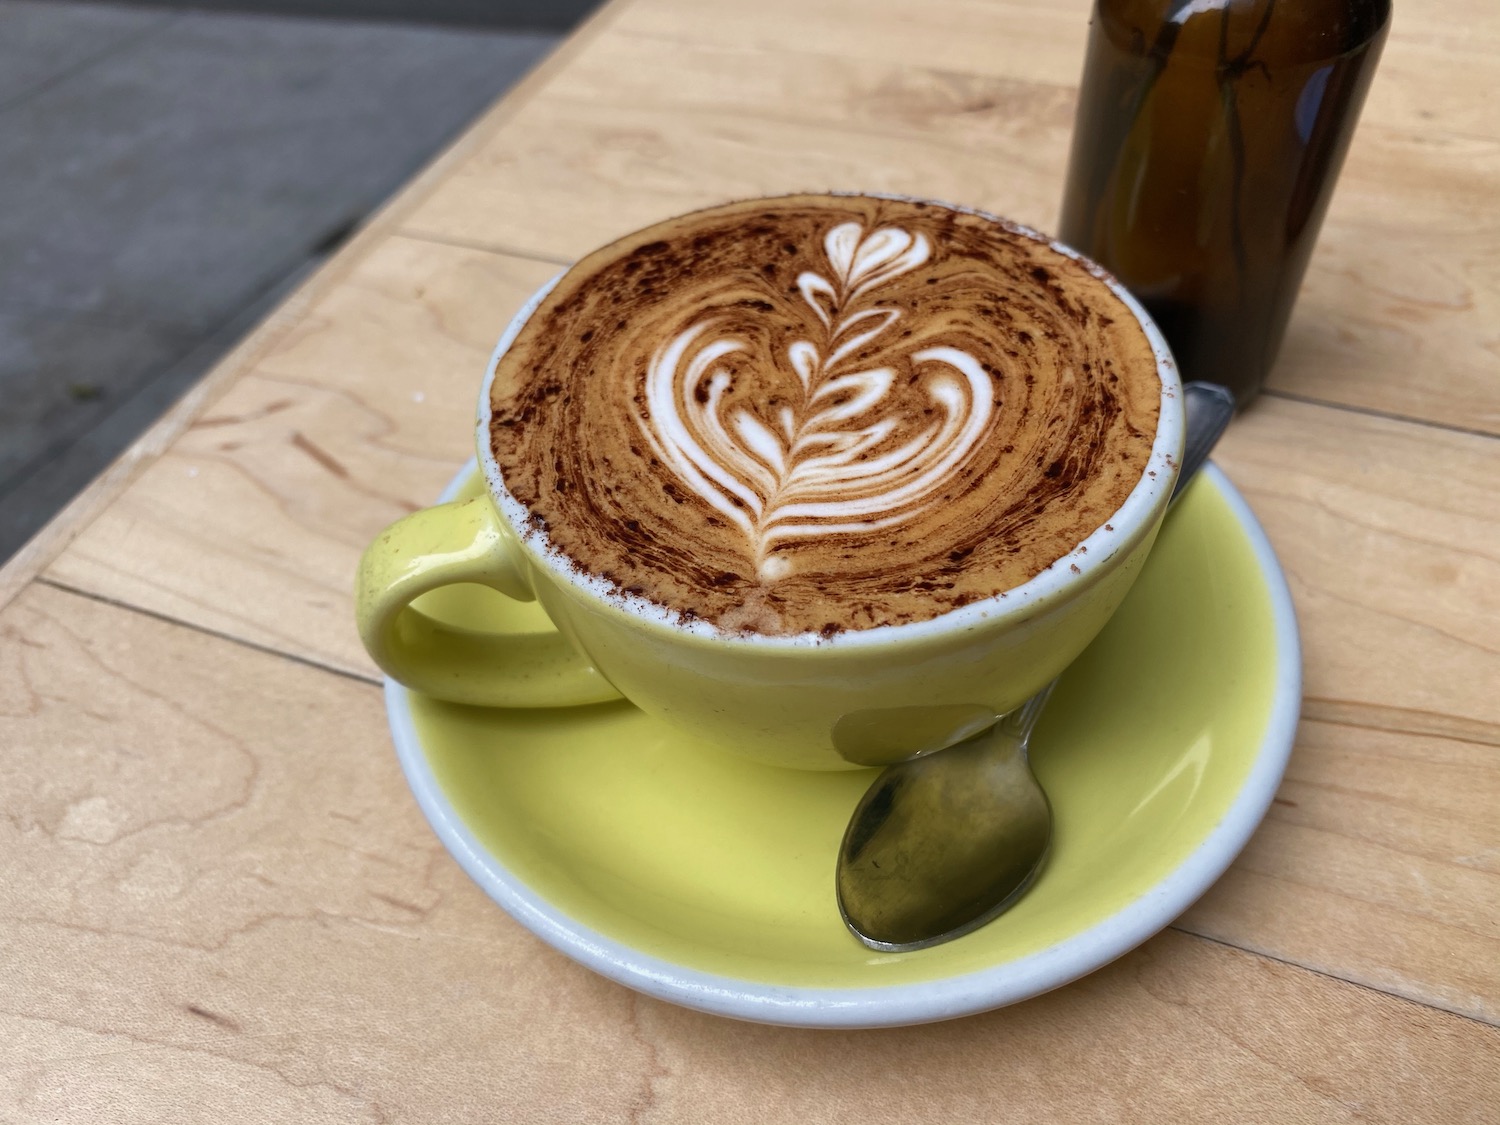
(1208, 138)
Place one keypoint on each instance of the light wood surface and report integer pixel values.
(219, 902)
(223, 906)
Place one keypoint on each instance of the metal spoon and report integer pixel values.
(943, 843)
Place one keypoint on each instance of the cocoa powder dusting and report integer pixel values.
(1070, 388)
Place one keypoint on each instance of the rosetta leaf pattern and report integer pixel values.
(847, 458)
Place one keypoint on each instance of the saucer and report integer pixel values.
(707, 881)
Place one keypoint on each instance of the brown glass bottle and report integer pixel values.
(1208, 138)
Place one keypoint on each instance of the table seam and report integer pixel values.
(1493, 1025)
(208, 631)
(1376, 412)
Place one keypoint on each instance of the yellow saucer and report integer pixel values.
(708, 881)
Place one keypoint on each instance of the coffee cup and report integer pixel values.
(855, 691)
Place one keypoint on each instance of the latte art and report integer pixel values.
(824, 465)
(821, 413)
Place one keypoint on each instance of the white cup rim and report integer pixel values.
(1077, 569)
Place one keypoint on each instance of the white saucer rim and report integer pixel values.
(963, 994)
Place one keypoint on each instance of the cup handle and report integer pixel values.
(462, 542)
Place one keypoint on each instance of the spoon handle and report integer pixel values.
(1209, 407)
(1019, 723)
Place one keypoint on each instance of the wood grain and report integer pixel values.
(1378, 862)
(251, 527)
(1436, 57)
(360, 415)
(18, 570)
(632, 166)
(1020, 39)
(1390, 538)
(222, 905)
(1401, 306)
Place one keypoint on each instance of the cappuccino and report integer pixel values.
(814, 414)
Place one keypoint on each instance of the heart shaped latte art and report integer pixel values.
(837, 455)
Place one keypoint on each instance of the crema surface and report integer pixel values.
(821, 413)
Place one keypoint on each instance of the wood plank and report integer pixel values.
(275, 934)
(1402, 322)
(642, 129)
(1379, 862)
(1428, 78)
(1400, 310)
(570, 176)
(360, 415)
(1390, 538)
(1030, 40)
(1451, 176)
(1386, 530)
(1437, 56)
(18, 571)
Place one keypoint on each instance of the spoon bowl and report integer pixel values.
(902, 882)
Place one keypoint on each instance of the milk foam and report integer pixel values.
(814, 471)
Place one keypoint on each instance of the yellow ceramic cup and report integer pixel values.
(864, 697)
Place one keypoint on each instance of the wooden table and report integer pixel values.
(220, 903)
